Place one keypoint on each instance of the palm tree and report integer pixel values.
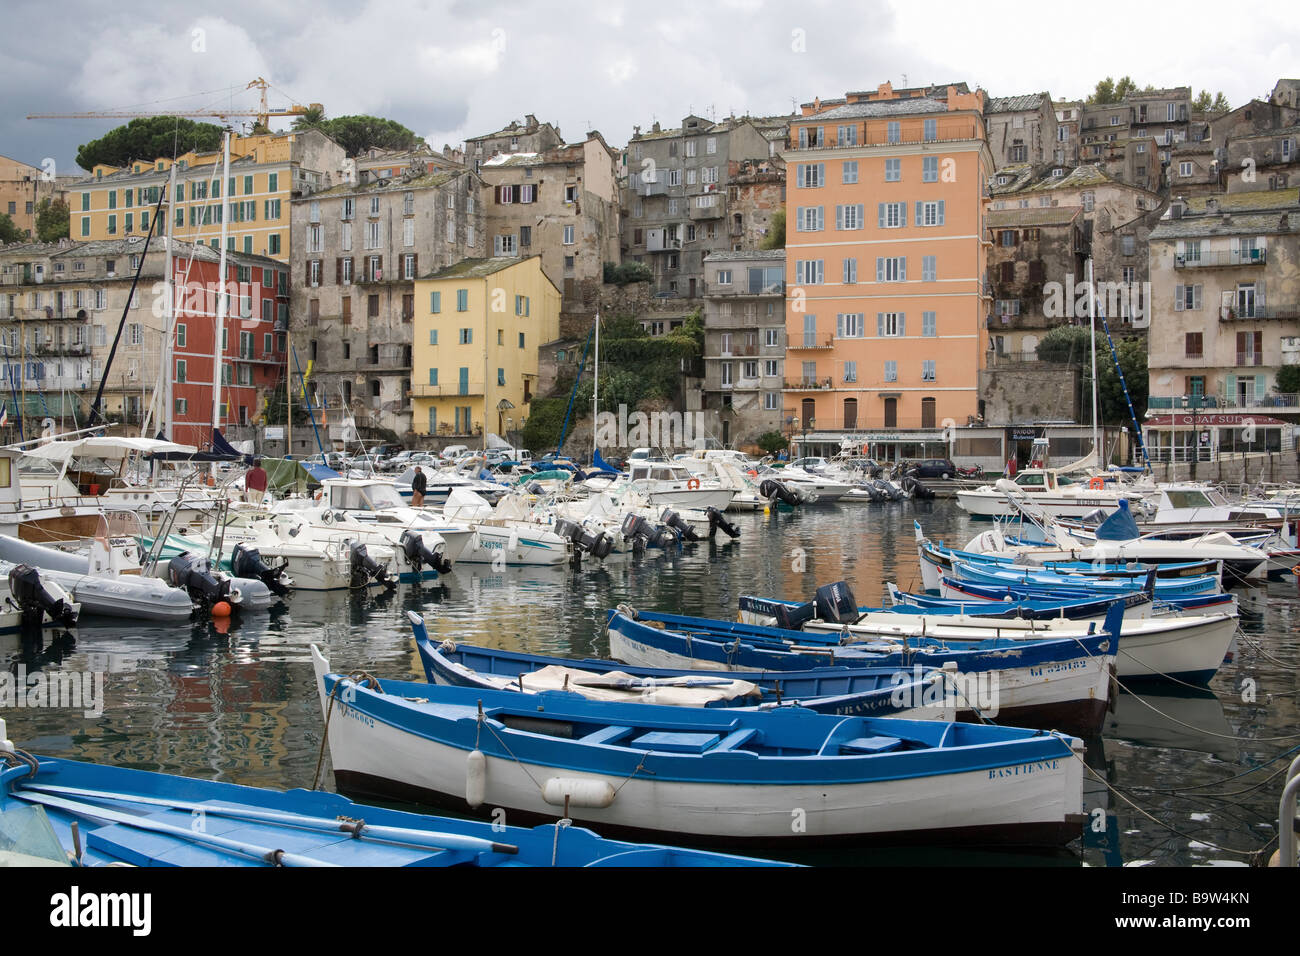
(314, 116)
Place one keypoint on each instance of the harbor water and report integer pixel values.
(1181, 776)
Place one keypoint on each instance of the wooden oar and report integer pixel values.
(437, 840)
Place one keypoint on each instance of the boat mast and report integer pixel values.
(595, 393)
(222, 294)
(1092, 323)
(169, 326)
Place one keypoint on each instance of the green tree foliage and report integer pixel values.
(356, 134)
(545, 418)
(8, 231)
(1108, 91)
(1204, 103)
(147, 139)
(772, 442)
(1220, 104)
(51, 220)
(1064, 345)
(1110, 394)
(775, 238)
(627, 272)
(1288, 379)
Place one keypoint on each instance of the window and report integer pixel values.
(1088, 199)
(1128, 245)
(1187, 298)
(408, 232)
(810, 219)
(435, 304)
(433, 336)
(180, 370)
(346, 271)
(1248, 297)
(85, 225)
(772, 337)
(1194, 345)
(372, 306)
(466, 337)
(849, 325)
(501, 376)
(568, 235)
(891, 324)
(931, 130)
(929, 268)
(521, 340)
(930, 213)
(771, 401)
(810, 175)
(1007, 237)
(1184, 169)
(846, 136)
(408, 266)
(850, 271)
(711, 145)
(724, 277)
(850, 371)
(891, 215)
(112, 224)
(374, 205)
(809, 271)
(930, 167)
(927, 370)
(727, 368)
(462, 300)
(891, 370)
(372, 235)
(893, 170)
(929, 326)
(507, 245)
(849, 171)
(770, 368)
(849, 216)
(895, 132)
(891, 269)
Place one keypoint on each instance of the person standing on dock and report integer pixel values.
(255, 482)
(418, 484)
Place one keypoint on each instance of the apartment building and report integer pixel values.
(561, 203)
(677, 196)
(23, 187)
(744, 344)
(267, 172)
(477, 332)
(1021, 129)
(886, 262)
(1225, 280)
(1068, 118)
(358, 250)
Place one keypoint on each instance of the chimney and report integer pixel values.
(655, 127)
(530, 121)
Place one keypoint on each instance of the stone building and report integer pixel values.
(1021, 129)
(562, 203)
(756, 192)
(1108, 138)
(23, 187)
(676, 198)
(744, 344)
(358, 250)
(530, 136)
(1068, 118)
(376, 163)
(1225, 280)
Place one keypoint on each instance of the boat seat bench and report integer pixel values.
(870, 745)
(607, 735)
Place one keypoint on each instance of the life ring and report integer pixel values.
(1097, 483)
(693, 483)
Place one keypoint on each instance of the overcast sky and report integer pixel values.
(455, 68)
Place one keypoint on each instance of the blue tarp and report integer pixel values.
(600, 464)
(319, 472)
(1120, 526)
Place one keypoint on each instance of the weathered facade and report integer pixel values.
(744, 344)
(756, 193)
(561, 203)
(530, 136)
(677, 199)
(1068, 118)
(357, 253)
(1225, 279)
(23, 187)
(1021, 129)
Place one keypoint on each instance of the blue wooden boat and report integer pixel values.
(781, 779)
(1014, 577)
(969, 592)
(862, 691)
(152, 819)
(1063, 683)
(942, 556)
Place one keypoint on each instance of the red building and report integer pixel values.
(253, 341)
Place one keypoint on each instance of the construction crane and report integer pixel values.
(263, 114)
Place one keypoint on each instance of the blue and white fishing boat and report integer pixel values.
(56, 812)
(860, 691)
(1064, 683)
(1011, 576)
(967, 593)
(782, 779)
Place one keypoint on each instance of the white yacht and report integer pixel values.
(1049, 491)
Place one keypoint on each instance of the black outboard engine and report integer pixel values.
(789, 617)
(642, 533)
(365, 568)
(776, 491)
(836, 605)
(596, 543)
(196, 575)
(419, 555)
(680, 525)
(534, 488)
(718, 520)
(36, 598)
(246, 562)
(914, 487)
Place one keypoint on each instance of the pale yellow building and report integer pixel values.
(266, 173)
(477, 328)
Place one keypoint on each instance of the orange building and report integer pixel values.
(885, 264)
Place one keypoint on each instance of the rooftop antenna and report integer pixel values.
(904, 81)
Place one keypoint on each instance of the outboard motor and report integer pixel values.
(36, 598)
(917, 490)
(718, 520)
(785, 616)
(535, 488)
(642, 533)
(596, 543)
(680, 525)
(365, 568)
(777, 491)
(246, 562)
(836, 605)
(203, 584)
(419, 555)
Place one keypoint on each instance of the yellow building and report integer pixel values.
(477, 328)
(266, 173)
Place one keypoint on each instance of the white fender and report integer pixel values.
(475, 778)
(581, 793)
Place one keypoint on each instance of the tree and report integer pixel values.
(147, 139)
(772, 442)
(1288, 380)
(775, 238)
(356, 134)
(8, 231)
(1108, 91)
(314, 117)
(1220, 104)
(52, 220)
(1110, 393)
(1064, 345)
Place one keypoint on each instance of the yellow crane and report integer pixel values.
(263, 114)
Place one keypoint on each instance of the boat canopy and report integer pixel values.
(114, 447)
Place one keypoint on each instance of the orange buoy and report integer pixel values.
(221, 625)
(221, 609)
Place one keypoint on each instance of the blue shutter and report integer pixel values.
(1259, 298)
(902, 323)
(880, 213)
(1231, 389)
(880, 324)
(1261, 385)
(839, 325)
(941, 212)
(920, 213)
(839, 217)
(902, 269)
(880, 269)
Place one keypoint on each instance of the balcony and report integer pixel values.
(447, 391)
(807, 384)
(1170, 402)
(1277, 400)
(876, 136)
(733, 350)
(741, 288)
(1250, 358)
(1255, 314)
(659, 188)
(664, 245)
(825, 341)
(1219, 259)
(716, 211)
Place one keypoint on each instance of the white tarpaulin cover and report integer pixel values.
(106, 447)
(616, 685)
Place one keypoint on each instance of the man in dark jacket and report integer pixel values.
(418, 484)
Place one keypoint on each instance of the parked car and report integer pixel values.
(933, 468)
(452, 452)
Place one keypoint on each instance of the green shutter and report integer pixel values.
(1231, 389)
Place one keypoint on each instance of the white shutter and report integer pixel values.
(1178, 298)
